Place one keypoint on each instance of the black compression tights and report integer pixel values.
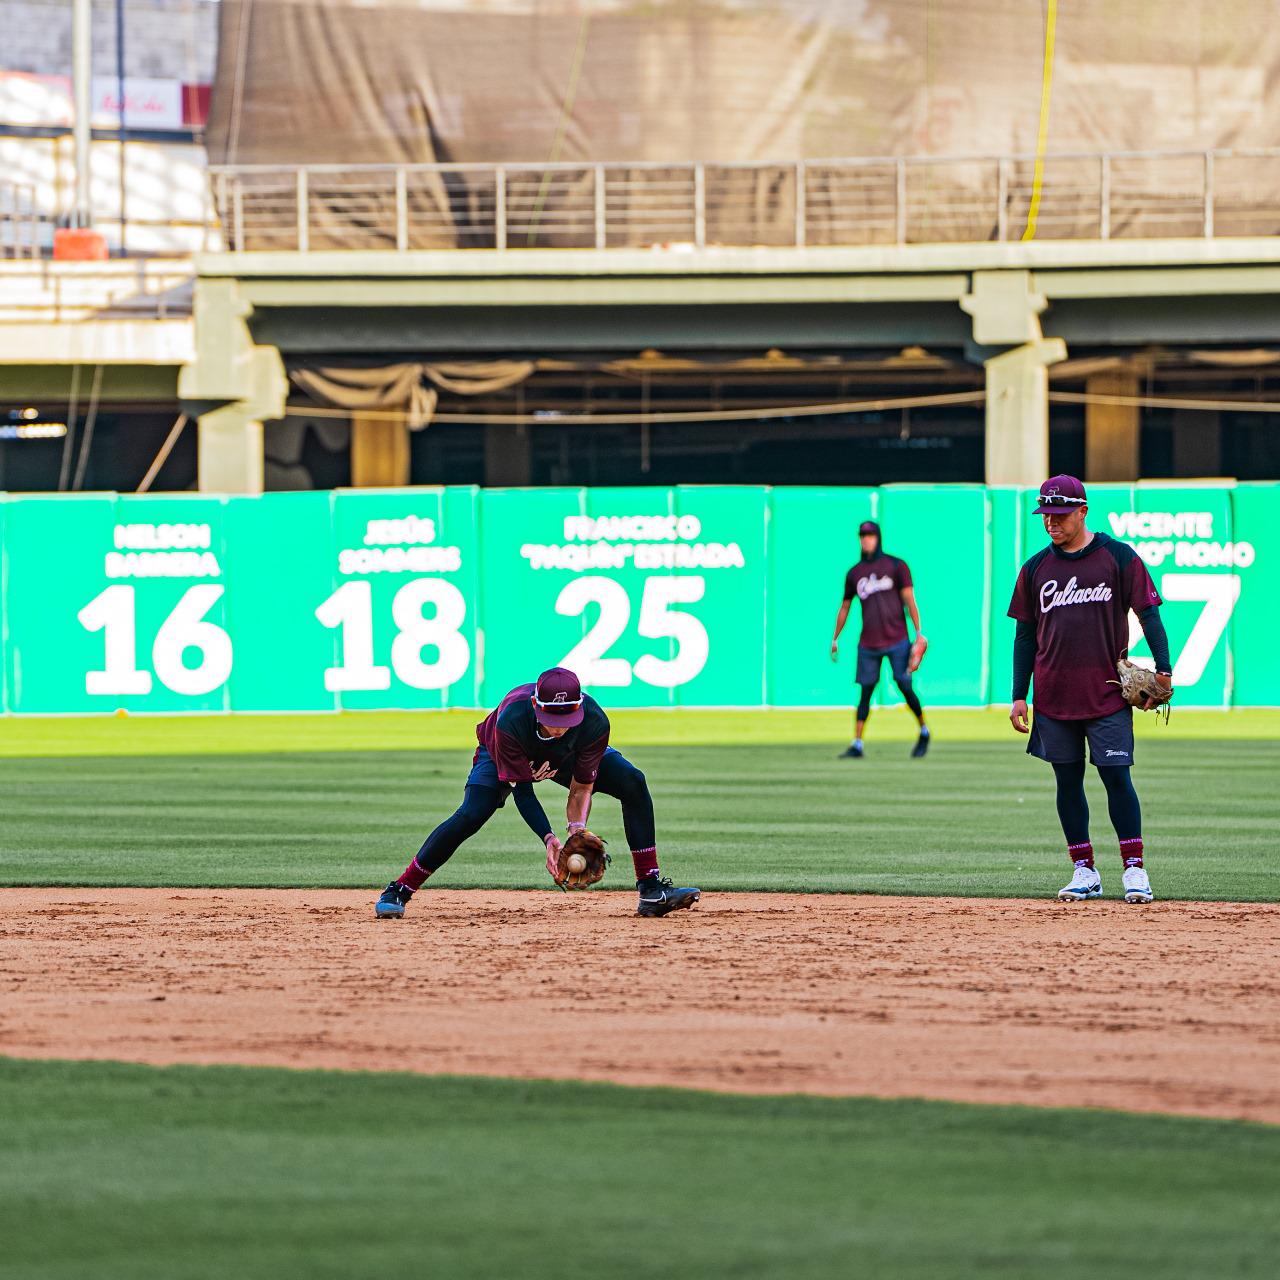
(479, 804)
(1073, 808)
(618, 777)
(908, 696)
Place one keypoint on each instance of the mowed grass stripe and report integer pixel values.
(116, 1170)
(971, 819)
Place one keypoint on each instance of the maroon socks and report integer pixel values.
(1081, 854)
(413, 877)
(1131, 851)
(646, 862)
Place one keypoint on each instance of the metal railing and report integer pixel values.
(19, 220)
(869, 201)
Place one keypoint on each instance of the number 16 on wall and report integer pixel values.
(114, 613)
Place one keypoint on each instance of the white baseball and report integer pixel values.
(576, 863)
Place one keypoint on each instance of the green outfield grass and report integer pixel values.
(112, 1170)
(744, 800)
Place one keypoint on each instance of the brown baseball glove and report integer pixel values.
(591, 847)
(1141, 688)
(919, 646)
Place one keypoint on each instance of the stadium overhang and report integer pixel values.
(1015, 308)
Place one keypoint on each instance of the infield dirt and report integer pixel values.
(1173, 1007)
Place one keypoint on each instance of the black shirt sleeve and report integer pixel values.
(531, 810)
(1157, 638)
(1024, 659)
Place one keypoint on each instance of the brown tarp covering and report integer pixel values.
(668, 81)
(404, 385)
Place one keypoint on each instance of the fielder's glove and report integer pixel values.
(591, 847)
(1142, 688)
(918, 647)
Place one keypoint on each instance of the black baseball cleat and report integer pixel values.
(922, 746)
(852, 752)
(392, 903)
(658, 896)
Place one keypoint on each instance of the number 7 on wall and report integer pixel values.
(1219, 593)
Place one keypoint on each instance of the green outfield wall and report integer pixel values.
(690, 596)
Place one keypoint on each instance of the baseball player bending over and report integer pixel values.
(549, 731)
(883, 586)
(1071, 604)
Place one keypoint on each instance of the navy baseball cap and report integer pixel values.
(557, 699)
(1060, 494)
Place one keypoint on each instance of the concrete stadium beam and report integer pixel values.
(1036, 255)
(587, 291)
(574, 329)
(232, 386)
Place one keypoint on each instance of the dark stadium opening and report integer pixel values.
(744, 418)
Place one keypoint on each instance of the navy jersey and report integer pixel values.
(1079, 602)
(878, 583)
(514, 738)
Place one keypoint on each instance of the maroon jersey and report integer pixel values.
(513, 737)
(1079, 602)
(878, 583)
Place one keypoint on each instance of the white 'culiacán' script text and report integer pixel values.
(1072, 593)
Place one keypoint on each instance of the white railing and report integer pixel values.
(19, 220)
(868, 201)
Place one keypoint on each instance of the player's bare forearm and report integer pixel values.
(841, 618)
(578, 806)
(909, 599)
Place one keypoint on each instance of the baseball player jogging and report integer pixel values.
(883, 586)
(549, 731)
(1071, 604)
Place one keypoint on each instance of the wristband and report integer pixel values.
(548, 838)
(577, 826)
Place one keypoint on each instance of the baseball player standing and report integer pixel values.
(1071, 604)
(548, 731)
(883, 587)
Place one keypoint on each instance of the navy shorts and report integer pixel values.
(869, 661)
(1110, 739)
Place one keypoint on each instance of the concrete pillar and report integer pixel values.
(1018, 412)
(1197, 443)
(379, 451)
(508, 456)
(229, 450)
(231, 388)
(1112, 432)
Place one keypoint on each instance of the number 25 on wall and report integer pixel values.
(114, 613)
(658, 620)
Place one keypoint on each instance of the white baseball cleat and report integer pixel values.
(1086, 883)
(1137, 887)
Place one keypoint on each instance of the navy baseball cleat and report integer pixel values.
(392, 903)
(922, 745)
(852, 752)
(658, 896)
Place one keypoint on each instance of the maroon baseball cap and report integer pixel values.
(1060, 494)
(557, 699)
(868, 526)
